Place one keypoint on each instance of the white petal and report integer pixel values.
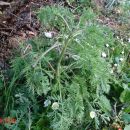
(92, 114)
(55, 105)
(122, 52)
(104, 55)
(48, 34)
(111, 72)
(107, 45)
(129, 40)
(115, 65)
(121, 59)
(47, 103)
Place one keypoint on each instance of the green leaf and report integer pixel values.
(125, 96)
(127, 110)
(56, 17)
(126, 118)
(86, 15)
(1, 84)
(105, 87)
(105, 104)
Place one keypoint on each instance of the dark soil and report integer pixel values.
(18, 22)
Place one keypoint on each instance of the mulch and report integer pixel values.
(18, 22)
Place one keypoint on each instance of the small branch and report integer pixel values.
(71, 36)
(51, 66)
(52, 47)
(60, 59)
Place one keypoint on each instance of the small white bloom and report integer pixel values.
(121, 59)
(55, 105)
(108, 118)
(122, 52)
(107, 45)
(104, 55)
(115, 65)
(47, 103)
(48, 34)
(92, 114)
(88, 44)
(122, 108)
(122, 43)
(19, 95)
(111, 72)
(129, 40)
(77, 40)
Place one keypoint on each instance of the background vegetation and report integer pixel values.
(76, 74)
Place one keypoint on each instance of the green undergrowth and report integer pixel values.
(73, 76)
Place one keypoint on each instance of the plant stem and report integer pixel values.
(70, 37)
(9, 90)
(52, 47)
(60, 59)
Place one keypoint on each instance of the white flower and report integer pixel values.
(129, 40)
(122, 43)
(47, 103)
(122, 52)
(55, 105)
(48, 34)
(115, 65)
(107, 45)
(104, 55)
(92, 46)
(77, 40)
(111, 72)
(19, 95)
(121, 59)
(122, 108)
(92, 114)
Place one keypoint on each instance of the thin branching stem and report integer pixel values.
(68, 40)
(51, 48)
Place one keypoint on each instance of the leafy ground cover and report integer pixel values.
(75, 74)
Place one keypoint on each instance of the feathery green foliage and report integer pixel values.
(58, 81)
